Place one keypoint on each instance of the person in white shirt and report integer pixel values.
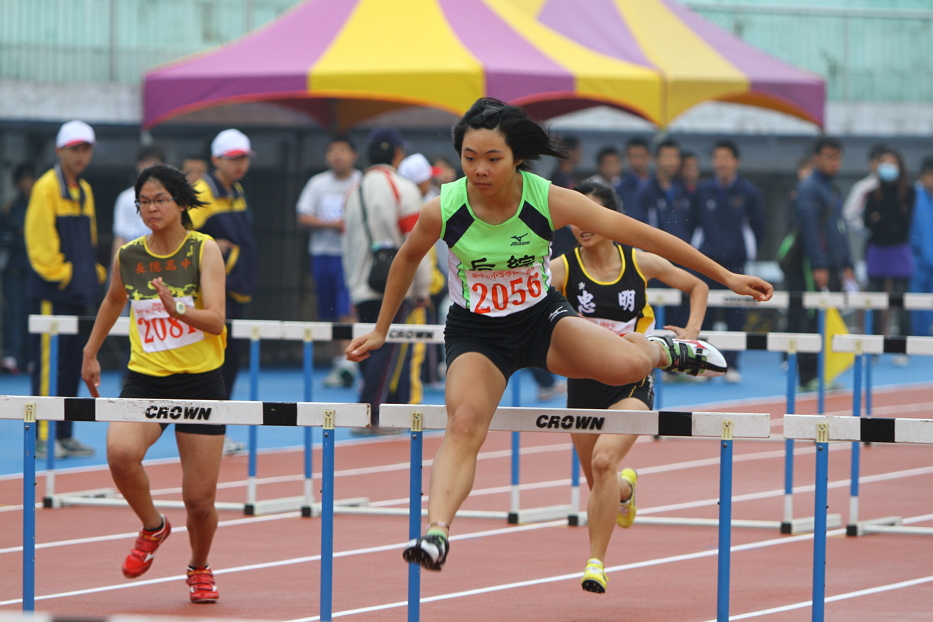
(320, 209)
(127, 224)
(854, 207)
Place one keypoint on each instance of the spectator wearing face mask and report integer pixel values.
(889, 210)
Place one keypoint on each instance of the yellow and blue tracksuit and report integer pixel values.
(227, 217)
(61, 240)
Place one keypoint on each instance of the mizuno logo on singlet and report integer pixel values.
(518, 240)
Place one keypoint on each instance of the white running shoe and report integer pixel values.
(692, 356)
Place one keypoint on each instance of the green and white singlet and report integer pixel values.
(497, 270)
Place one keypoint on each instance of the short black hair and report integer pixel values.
(826, 142)
(684, 154)
(667, 143)
(727, 144)
(604, 192)
(526, 138)
(196, 157)
(877, 151)
(636, 141)
(340, 138)
(150, 152)
(24, 170)
(927, 165)
(176, 184)
(608, 150)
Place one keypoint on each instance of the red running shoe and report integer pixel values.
(147, 543)
(201, 585)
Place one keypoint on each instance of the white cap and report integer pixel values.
(417, 169)
(75, 133)
(231, 144)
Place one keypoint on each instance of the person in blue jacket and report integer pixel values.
(730, 217)
(826, 260)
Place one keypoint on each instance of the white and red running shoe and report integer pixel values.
(147, 543)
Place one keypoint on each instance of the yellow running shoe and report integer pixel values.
(627, 509)
(594, 577)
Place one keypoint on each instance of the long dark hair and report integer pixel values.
(176, 184)
(902, 182)
(528, 140)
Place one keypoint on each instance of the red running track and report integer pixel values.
(267, 567)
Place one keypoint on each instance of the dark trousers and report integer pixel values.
(891, 285)
(734, 317)
(387, 372)
(235, 311)
(70, 356)
(16, 316)
(800, 320)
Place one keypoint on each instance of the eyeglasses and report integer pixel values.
(157, 202)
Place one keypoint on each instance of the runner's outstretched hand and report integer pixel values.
(747, 285)
(359, 348)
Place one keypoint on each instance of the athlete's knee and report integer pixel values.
(603, 465)
(466, 425)
(121, 456)
(200, 507)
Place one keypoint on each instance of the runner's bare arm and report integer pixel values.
(107, 315)
(426, 232)
(211, 317)
(570, 207)
(655, 267)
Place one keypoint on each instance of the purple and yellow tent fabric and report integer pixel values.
(342, 61)
(696, 60)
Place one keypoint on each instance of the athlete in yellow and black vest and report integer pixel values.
(605, 283)
(174, 280)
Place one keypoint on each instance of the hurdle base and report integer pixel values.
(800, 525)
(60, 501)
(296, 504)
(888, 524)
(806, 524)
(537, 515)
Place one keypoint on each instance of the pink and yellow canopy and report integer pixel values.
(696, 60)
(343, 61)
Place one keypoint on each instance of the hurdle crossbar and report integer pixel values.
(722, 426)
(823, 430)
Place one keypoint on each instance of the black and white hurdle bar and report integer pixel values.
(722, 426)
(324, 415)
(309, 332)
(823, 430)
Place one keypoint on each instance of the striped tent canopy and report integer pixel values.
(696, 60)
(343, 61)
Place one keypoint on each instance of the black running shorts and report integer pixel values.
(590, 394)
(204, 386)
(511, 342)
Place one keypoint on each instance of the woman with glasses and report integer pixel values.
(174, 279)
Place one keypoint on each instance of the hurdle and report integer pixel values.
(254, 331)
(212, 412)
(824, 430)
(863, 346)
(722, 426)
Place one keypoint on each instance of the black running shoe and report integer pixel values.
(692, 356)
(429, 551)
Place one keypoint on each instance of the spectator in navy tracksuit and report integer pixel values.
(638, 158)
(826, 260)
(728, 207)
(664, 203)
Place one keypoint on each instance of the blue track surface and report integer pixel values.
(761, 371)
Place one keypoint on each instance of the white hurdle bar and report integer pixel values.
(722, 426)
(823, 430)
(211, 412)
